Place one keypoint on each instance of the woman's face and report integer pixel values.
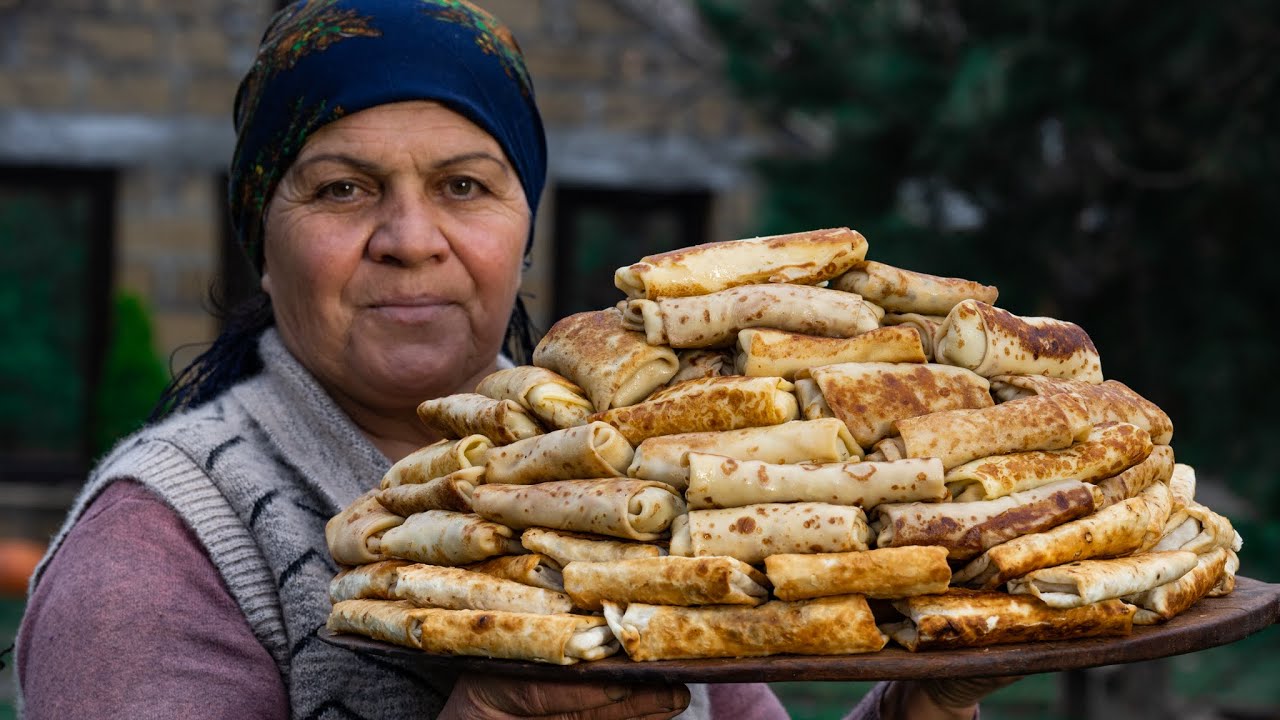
(393, 249)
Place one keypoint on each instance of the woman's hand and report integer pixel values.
(481, 697)
(939, 699)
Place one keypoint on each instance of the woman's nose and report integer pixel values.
(409, 231)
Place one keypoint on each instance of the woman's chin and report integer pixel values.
(410, 378)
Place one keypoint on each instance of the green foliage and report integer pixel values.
(1121, 159)
(133, 375)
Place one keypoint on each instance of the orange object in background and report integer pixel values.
(18, 559)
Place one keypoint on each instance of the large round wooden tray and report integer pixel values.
(1211, 622)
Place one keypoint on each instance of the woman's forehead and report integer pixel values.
(422, 125)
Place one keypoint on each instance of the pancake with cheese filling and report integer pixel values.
(825, 626)
(709, 404)
(463, 414)
(883, 573)
(1090, 581)
(461, 589)
(704, 321)
(907, 291)
(437, 460)
(615, 366)
(552, 398)
(803, 258)
(451, 492)
(442, 537)
(617, 507)
(594, 450)
(755, 532)
(668, 580)
(991, 341)
(354, 535)
(716, 481)
(768, 352)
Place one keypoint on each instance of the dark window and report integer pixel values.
(55, 277)
(599, 230)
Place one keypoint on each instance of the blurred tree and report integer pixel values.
(133, 375)
(1116, 164)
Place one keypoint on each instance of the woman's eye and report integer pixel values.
(463, 187)
(342, 190)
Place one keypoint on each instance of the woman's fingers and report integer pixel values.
(484, 697)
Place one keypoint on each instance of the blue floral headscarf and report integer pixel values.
(321, 60)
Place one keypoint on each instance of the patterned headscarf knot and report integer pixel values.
(321, 60)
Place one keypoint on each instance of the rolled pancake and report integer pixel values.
(716, 481)
(668, 580)
(907, 291)
(551, 397)
(1162, 603)
(991, 341)
(535, 570)
(1110, 401)
(713, 320)
(354, 535)
(753, 533)
(958, 436)
(372, 581)
(502, 421)
(706, 405)
(442, 537)
(966, 529)
(594, 450)
(437, 460)
(617, 507)
(890, 449)
(1156, 468)
(804, 258)
(666, 458)
(809, 627)
(926, 327)
(1227, 580)
(451, 492)
(767, 352)
(871, 397)
(566, 547)
(1090, 581)
(459, 589)
(812, 405)
(1127, 527)
(615, 366)
(884, 573)
(965, 618)
(556, 639)
(1182, 484)
(702, 363)
(1110, 449)
(1199, 530)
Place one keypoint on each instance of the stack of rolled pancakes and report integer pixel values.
(776, 446)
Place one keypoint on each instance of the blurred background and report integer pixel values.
(1116, 164)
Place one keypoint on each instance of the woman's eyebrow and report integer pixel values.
(362, 165)
(468, 157)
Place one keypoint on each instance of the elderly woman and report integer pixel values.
(389, 162)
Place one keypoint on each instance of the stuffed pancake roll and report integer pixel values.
(907, 291)
(991, 341)
(768, 352)
(667, 580)
(552, 398)
(451, 492)
(373, 581)
(1090, 581)
(755, 532)
(502, 421)
(716, 481)
(617, 507)
(593, 450)
(442, 537)
(460, 589)
(884, 573)
(965, 618)
(354, 536)
(534, 569)
(1110, 401)
(437, 460)
(705, 405)
(566, 547)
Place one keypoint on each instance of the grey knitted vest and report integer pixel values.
(256, 474)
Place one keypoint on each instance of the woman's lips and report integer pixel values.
(412, 310)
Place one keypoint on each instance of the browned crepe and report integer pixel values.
(753, 533)
(566, 547)
(767, 352)
(667, 580)
(594, 450)
(460, 589)
(1110, 449)
(442, 537)
(354, 535)
(1121, 529)
(991, 341)
(1110, 401)
(666, 458)
(615, 366)
(1164, 602)
(812, 405)
(535, 570)
(1197, 529)
(713, 320)
(804, 258)
(463, 414)
(372, 581)
(557, 639)
(1034, 423)
(1090, 581)
(1182, 485)
(716, 481)
(708, 404)
(618, 507)
(1157, 467)
(965, 618)
(966, 529)
(926, 327)
(826, 626)
(451, 492)
(870, 397)
(437, 460)
(882, 573)
(702, 363)
(907, 291)
(552, 398)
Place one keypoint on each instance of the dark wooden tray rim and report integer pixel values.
(1209, 623)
